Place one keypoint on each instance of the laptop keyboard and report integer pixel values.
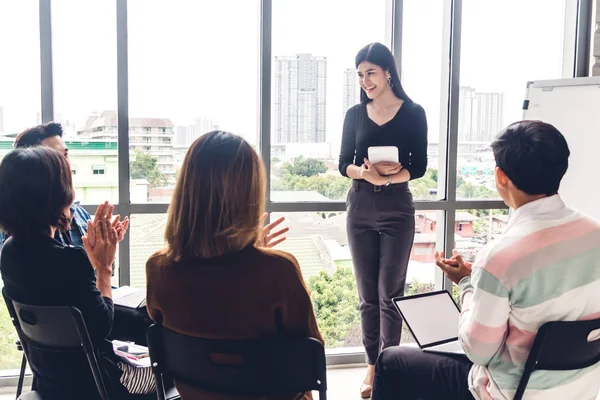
(450, 347)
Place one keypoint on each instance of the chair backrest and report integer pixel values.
(246, 367)
(55, 328)
(562, 346)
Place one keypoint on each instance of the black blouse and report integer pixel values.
(42, 271)
(407, 130)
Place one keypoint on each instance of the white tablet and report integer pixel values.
(383, 153)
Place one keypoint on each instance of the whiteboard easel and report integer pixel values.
(573, 107)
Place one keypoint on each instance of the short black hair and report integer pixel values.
(534, 155)
(34, 136)
(35, 189)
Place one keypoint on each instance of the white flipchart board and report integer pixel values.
(573, 107)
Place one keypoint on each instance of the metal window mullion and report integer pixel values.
(266, 27)
(123, 137)
(46, 78)
(583, 39)
(453, 104)
(396, 34)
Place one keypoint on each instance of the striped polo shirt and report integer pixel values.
(545, 267)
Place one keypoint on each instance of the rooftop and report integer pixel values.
(461, 216)
(109, 118)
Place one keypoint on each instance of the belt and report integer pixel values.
(366, 186)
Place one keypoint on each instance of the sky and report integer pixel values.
(200, 59)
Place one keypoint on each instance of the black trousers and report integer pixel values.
(407, 373)
(381, 229)
(130, 325)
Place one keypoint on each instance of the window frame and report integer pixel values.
(577, 60)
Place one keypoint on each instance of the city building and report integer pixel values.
(351, 89)
(95, 171)
(480, 115)
(1, 120)
(187, 134)
(299, 99)
(426, 222)
(155, 136)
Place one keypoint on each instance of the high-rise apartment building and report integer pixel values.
(187, 134)
(480, 115)
(299, 98)
(351, 89)
(150, 135)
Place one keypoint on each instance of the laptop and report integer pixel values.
(433, 319)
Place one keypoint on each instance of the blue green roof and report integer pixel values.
(73, 145)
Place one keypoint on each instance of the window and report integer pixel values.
(314, 82)
(98, 169)
(424, 76)
(19, 81)
(85, 93)
(491, 93)
(182, 100)
(319, 242)
(19, 109)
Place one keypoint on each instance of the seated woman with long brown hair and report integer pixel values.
(215, 278)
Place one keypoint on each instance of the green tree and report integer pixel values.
(306, 167)
(145, 166)
(10, 358)
(335, 300)
(331, 186)
(422, 188)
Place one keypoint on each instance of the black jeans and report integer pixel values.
(381, 230)
(130, 325)
(408, 373)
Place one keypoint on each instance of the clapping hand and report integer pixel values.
(120, 226)
(100, 243)
(456, 268)
(266, 237)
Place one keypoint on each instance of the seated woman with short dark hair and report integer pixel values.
(36, 193)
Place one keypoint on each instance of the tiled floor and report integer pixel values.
(343, 383)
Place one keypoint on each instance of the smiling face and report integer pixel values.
(372, 79)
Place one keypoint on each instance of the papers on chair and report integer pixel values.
(132, 353)
(128, 296)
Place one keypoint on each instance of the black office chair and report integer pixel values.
(59, 329)
(242, 367)
(562, 346)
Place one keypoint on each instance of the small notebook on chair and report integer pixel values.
(127, 296)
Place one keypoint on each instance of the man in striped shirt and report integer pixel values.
(545, 267)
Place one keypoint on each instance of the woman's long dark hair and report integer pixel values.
(378, 54)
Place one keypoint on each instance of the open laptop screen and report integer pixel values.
(432, 317)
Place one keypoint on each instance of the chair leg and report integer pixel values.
(21, 376)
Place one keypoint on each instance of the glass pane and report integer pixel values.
(20, 98)
(85, 91)
(147, 233)
(473, 230)
(20, 108)
(314, 82)
(425, 79)
(495, 68)
(193, 68)
(319, 242)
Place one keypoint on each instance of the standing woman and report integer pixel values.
(381, 212)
